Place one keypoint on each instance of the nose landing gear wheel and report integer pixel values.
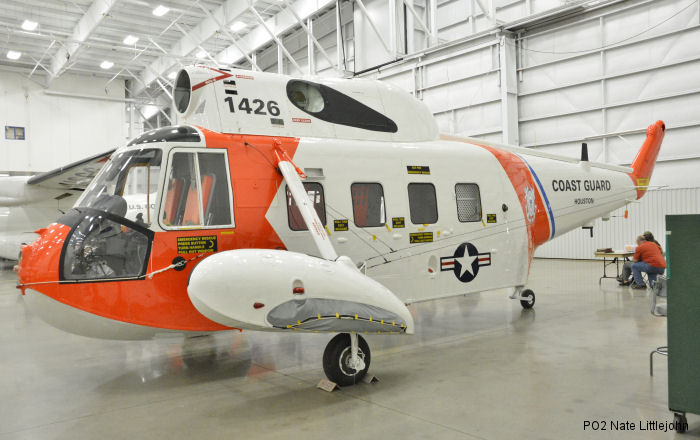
(530, 301)
(337, 360)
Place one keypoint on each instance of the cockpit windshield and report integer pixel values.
(127, 186)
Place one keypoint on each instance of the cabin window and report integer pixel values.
(198, 192)
(468, 202)
(315, 192)
(330, 105)
(368, 204)
(422, 203)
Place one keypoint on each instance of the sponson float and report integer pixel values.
(236, 219)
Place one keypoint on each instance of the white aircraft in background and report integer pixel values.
(310, 205)
(28, 203)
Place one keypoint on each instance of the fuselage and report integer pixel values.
(403, 210)
(426, 216)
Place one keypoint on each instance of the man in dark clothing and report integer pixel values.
(626, 278)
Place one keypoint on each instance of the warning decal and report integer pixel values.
(421, 237)
(196, 245)
(490, 218)
(418, 169)
(340, 225)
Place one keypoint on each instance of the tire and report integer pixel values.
(336, 355)
(530, 302)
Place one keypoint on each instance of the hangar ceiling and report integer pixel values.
(140, 41)
(145, 42)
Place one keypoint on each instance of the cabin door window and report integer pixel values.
(198, 191)
(315, 193)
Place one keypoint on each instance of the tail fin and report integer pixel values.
(643, 164)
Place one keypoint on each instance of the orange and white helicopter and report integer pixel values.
(322, 205)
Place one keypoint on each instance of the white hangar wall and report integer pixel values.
(555, 78)
(648, 214)
(608, 97)
(601, 77)
(59, 129)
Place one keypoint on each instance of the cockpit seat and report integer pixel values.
(191, 216)
(208, 184)
(112, 204)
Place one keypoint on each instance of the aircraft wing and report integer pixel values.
(75, 176)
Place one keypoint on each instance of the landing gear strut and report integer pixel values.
(526, 297)
(346, 359)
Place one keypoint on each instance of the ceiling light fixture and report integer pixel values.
(29, 25)
(172, 75)
(238, 26)
(201, 54)
(13, 54)
(106, 64)
(160, 10)
(130, 40)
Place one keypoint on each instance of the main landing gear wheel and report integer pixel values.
(529, 300)
(338, 363)
(680, 422)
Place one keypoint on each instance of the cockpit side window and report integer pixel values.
(127, 186)
(198, 193)
(332, 106)
(139, 189)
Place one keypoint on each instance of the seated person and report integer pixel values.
(648, 236)
(647, 258)
(626, 278)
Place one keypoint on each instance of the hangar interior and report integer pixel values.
(82, 77)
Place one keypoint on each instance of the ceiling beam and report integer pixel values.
(280, 23)
(257, 37)
(228, 12)
(87, 24)
(273, 35)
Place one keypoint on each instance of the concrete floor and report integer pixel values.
(479, 367)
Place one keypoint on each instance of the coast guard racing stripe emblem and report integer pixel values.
(465, 262)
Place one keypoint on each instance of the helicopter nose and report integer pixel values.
(39, 260)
